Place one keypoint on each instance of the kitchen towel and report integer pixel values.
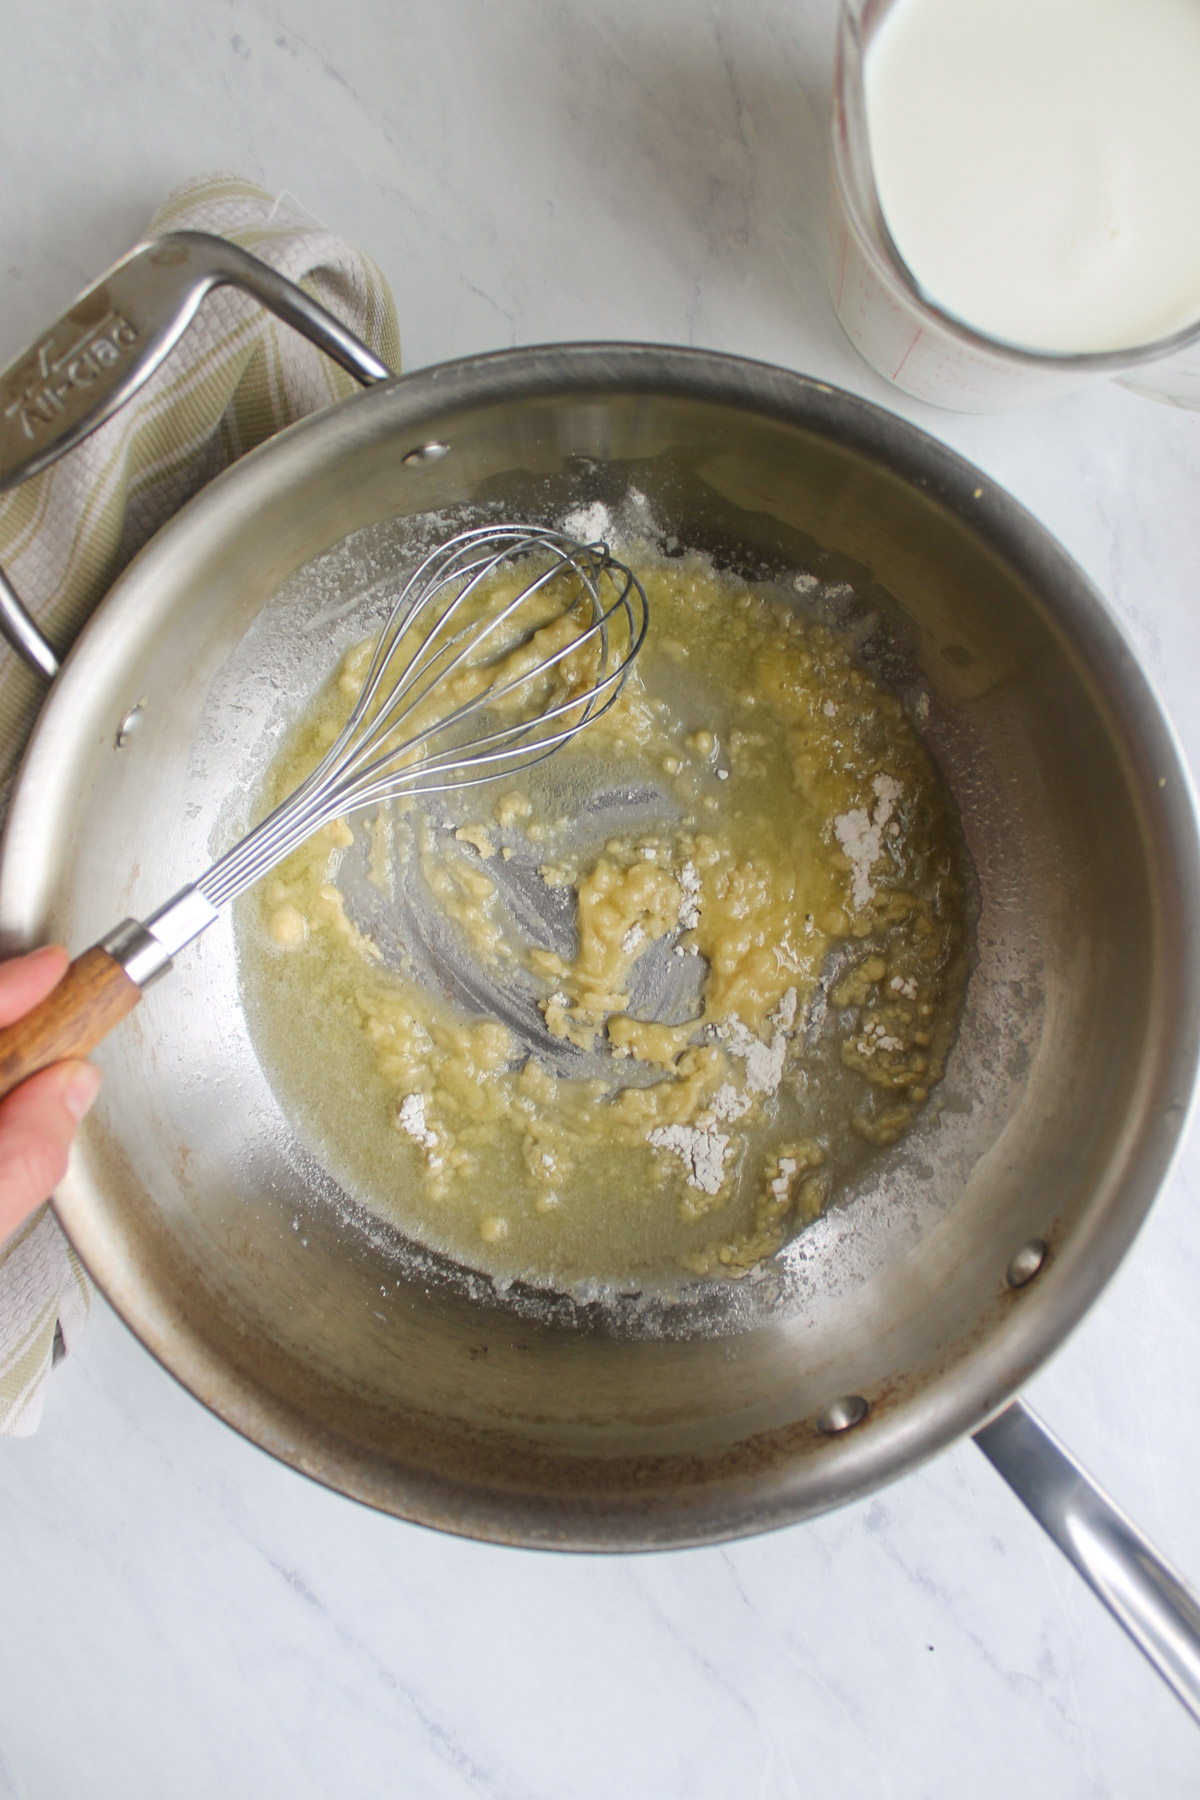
(236, 377)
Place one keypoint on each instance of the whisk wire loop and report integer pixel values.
(372, 760)
(402, 702)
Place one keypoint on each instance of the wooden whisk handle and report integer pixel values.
(93, 996)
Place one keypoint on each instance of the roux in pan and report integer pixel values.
(730, 989)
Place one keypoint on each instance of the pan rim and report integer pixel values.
(982, 1381)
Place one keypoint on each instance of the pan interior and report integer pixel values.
(550, 1418)
(611, 1221)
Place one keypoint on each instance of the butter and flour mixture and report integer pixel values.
(629, 1019)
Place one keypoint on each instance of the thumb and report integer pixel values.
(37, 1122)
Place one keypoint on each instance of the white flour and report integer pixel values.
(689, 904)
(860, 835)
(410, 1117)
(784, 1016)
(589, 524)
(701, 1148)
(727, 1103)
(878, 1037)
(782, 1183)
(704, 1147)
(764, 1061)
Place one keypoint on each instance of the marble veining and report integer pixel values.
(181, 1615)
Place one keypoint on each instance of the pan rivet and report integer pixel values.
(1026, 1263)
(426, 453)
(131, 723)
(850, 1410)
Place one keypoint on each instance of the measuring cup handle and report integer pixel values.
(111, 341)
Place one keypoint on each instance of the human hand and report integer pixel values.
(38, 1119)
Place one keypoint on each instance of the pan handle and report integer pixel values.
(1143, 1593)
(111, 341)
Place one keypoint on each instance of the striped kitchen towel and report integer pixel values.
(236, 377)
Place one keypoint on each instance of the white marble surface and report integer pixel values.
(180, 1616)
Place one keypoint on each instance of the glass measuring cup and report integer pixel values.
(905, 335)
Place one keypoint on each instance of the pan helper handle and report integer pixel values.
(111, 341)
(100, 988)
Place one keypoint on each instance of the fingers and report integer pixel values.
(37, 1123)
(24, 980)
(38, 1119)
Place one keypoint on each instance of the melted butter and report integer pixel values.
(801, 815)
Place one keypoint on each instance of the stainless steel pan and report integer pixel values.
(915, 1310)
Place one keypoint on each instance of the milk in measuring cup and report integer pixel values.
(1038, 163)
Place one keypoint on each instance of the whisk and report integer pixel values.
(457, 692)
